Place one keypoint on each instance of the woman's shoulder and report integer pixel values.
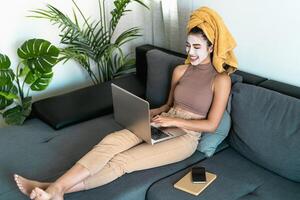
(181, 68)
(223, 76)
(221, 79)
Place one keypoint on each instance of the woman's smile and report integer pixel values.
(193, 58)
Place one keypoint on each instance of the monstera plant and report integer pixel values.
(37, 58)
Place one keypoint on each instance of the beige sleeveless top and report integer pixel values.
(194, 89)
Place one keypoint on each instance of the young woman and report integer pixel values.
(197, 100)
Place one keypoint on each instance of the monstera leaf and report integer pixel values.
(18, 114)
(39, 56)
(8, 91)
(14, 115)
(42, 81)
(7, 94)
(6, 74)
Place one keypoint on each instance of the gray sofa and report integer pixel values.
(258, 160)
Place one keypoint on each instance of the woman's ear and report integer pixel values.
(211, 48)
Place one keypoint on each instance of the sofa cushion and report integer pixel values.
(235, 78)
(83, 104)
(266, 128)
(210, 141)
(36, 151)
(237, 178)
(141, 59)
(159, 75)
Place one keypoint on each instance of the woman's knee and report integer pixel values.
(190, 144)
(119, 164)
(119, 138)
(110, 138)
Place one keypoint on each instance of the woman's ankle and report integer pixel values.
(56, 188)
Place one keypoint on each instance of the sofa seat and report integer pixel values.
(238, 179)
(36, 151)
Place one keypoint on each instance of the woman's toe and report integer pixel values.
(42, 194)
(32, 195)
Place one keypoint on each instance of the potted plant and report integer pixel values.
(37, 58)
(92, 42)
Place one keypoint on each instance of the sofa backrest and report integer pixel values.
(266, 128)
(161, 66)
(249, 78)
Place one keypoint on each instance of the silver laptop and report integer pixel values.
(133, 113)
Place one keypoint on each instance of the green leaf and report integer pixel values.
(127, 35)
(125, 69)
(6, 75)
(142, 3)
(18, 114)
(38, 54)
(4, 61)
(31, 77)
(7, 94)
(4, 102)
(14, 116)
(42, 82)
(120, 10)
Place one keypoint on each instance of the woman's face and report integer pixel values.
(197, 49)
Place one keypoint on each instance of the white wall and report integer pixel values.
(16, 28)
(267, 33)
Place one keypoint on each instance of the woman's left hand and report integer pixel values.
(165, 121)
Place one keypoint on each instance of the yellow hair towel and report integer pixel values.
(218, 34)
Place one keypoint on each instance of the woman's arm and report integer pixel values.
(177, 73)
(222, 87)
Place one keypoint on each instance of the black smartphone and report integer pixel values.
(198, 175)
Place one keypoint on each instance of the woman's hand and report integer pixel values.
(157, 111)
(165, 121)
(154, 112)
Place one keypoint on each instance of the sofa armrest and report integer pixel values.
(83, 104)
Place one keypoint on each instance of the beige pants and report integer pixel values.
(123, 152)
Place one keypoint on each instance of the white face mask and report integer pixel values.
(196, 48)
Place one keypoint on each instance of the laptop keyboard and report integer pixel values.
(157, 134)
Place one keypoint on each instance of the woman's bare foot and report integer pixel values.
(52, 193)
(26, 185)
(39, 194)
